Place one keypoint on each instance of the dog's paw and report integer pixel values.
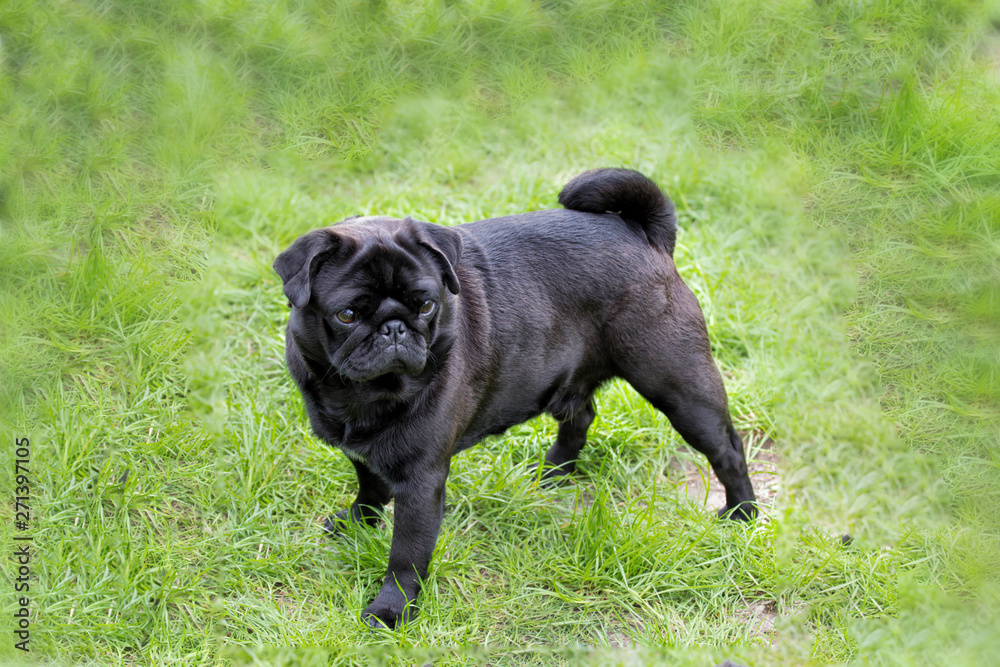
(745, 511)
(550, 475)
(336, 524)
(340, 522)
(386, 616)
(553, 477)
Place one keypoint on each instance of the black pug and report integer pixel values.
(411, 342)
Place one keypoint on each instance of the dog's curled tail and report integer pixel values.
(629, 194)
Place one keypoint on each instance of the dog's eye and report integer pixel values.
(347, 315)
(426, 307)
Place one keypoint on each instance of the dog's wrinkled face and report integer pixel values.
(370, 296)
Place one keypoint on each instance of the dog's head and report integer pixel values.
(372, 297)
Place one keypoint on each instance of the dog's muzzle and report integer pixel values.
(394, 349)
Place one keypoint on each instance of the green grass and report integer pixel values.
(836, 176)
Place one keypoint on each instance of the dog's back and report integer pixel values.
(559, 282)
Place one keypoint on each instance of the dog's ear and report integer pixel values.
(445, 244)
(298, 264)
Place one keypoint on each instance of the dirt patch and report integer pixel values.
(758, 618)
(988, 52)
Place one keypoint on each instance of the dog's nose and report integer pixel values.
(393, 329)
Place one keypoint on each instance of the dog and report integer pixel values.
(411, 342)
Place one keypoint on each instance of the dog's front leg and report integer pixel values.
(417, 520)
(373, 494)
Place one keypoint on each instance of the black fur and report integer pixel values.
(530, 313)
(629, 194)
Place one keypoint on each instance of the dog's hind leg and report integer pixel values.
(703, 421)
(672, 367)
(697, 408)
(561, 458)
